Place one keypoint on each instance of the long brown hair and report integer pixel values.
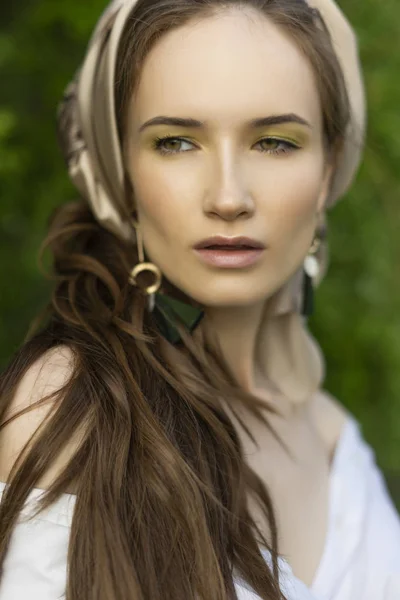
(160, 476)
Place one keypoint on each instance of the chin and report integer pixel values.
(230, 290)
(234, 299)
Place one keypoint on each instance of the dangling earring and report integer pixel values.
(150, 290)
(166, 309)
(311, 270)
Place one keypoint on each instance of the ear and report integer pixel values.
(325, 185)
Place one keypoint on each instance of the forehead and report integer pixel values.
(225, 67)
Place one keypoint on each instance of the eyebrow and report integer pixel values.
(253, 124)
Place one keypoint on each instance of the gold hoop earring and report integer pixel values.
(142, 266)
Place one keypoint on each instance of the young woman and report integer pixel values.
(167, 409)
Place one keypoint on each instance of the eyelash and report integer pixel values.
(288, 146)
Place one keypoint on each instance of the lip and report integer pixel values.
(220, 240)
(229, 259)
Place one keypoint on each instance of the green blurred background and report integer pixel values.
(357, 319)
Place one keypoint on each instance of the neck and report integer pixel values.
(260, 350)
(237, 330)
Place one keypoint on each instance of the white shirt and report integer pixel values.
(361, 559)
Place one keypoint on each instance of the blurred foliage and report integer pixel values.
(357, 319)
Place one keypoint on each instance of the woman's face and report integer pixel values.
(225, 176)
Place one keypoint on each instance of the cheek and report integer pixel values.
(291, 202)
(163, 200)
(290, 212)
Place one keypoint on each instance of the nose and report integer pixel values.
(228, 197)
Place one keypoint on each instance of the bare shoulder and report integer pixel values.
(329, 417)
(48, 374)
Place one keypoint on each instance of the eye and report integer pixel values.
(277, 145)
(274, 145)
(160, 142)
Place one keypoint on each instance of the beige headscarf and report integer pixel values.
(90, 142)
